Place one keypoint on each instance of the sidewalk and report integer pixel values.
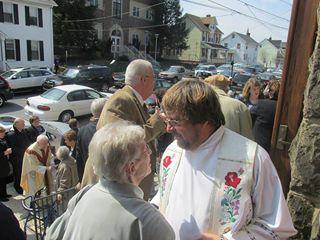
(16, 206)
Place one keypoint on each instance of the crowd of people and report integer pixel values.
(215, 178)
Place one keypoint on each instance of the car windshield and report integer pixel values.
(53, 94)
(7, 120)
(173, 69)
(224, 67)
(204, 68)
(8, 74)
(241, 78)
(70, 73)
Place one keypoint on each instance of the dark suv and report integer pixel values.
(5, 91)
(94, 76)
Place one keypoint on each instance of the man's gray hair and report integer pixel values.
(135, 70)
(42, 138)
(97, 106)
(17, 120)
(113, 146)
(63, 153)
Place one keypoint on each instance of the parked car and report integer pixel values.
(224, 68)
(53, 130)
(207, 70)
(162, 83)
(94, 76)
(266, 77)
(5, 91)
(62, 102)
(175, 73)
(239, 80)
(22, 79)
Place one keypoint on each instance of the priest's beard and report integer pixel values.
(187, 144)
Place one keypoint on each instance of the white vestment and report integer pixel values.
(190, 199)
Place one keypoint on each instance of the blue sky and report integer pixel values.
(229, 21)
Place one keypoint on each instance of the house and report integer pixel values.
(271, 53)
(203, 42)
(242, 48)
(124, 23)
(26, 33)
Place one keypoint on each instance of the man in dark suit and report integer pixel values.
(128, 104)
(86, 133)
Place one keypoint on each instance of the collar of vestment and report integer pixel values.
(41, 155)
(127, 190)
(135, 92)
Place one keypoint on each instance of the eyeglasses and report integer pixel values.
(173, 122)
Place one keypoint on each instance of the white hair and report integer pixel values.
(97, 106)
(42, 138)
(135, 70)
(113, 146)
(63, 153)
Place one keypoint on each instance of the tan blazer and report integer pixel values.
(124, 105)
(236, 114)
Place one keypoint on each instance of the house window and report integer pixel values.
(149, 14)
(10, 49)
(203, 37)
(92, 3)
(214, 53)
(238, 45)
(245, 56)
(233, 35)
(35, 50)
(203, 52)
(33, 18)
(8, 12)
(116, 8)
(226, 44)
(246, 46)
(136, 12)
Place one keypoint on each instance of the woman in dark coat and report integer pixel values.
(264, 113)
(4, 165)
(35, 129)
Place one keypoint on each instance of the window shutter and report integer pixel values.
(17, 44)
(27, 15)
(40, 17)
(15, 14)
(41, 51)
(29, 56)
(1, 12)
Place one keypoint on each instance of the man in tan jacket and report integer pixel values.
(236, 114)
(128, 104)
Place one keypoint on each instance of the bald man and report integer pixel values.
(18, 141)
(36, 165)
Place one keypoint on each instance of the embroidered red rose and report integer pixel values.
(232, 179)
(167, 161)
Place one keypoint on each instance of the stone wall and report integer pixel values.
(304, 194)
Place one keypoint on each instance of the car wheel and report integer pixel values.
(2, 100)
(65, 116)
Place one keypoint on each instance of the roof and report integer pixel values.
(276, 43)
(71, 87)
(247, 38)
(216, 46)
(198, 22)
(43, 2)
(209, 20)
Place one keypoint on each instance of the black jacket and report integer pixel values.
(263, 113)
(19, 142)
(9, 225)
(84, 137)
(33, 133)
(4, 163)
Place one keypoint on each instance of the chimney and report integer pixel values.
(270, 38)
(248, 33)
(208, 15)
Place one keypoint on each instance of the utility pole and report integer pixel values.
(156, 47)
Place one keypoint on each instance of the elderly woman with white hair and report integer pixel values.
(67, 174)
(114, 207)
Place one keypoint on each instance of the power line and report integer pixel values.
(127, 28)
(204, 5)
(256, 16)
(246, 15)
(101, 18)
(262, 10)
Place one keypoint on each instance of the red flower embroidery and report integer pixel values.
(167, 161)
(232, 179)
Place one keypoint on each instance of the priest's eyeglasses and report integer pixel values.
(173, 122)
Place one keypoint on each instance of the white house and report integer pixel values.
(271, 53)
(26, 33)
(242, 47)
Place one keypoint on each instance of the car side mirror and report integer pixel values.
(14, 77)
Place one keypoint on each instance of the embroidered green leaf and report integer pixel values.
(239, 191)
(224, 202)
(237, 196)
(233, 219)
